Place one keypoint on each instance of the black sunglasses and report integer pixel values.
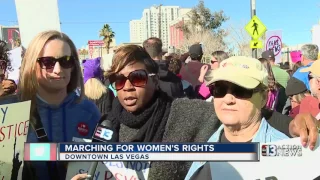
(219, 90)
(137, 78)
(49, 62)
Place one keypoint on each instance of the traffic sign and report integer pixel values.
(256, 44)
(255, 28)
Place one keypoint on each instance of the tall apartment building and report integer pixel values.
(155, 22)
(136, 33)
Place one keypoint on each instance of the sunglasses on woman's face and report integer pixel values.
(137, 78)
(219, 90)
(49, 62)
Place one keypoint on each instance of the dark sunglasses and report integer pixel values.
(49, 62)
(137, 78)
(219, 90)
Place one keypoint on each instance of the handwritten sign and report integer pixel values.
(14, 124)
(295, 56)
(274, 42)
(110, 170)
(272, 168)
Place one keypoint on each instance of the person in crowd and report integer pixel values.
(296, 90)
(49, 76)
(217, 58)
(191, 71)
(276, 93)
(240, 89)
(94, 89)
(143, 113)
(295, 67)
(311, 104)
(8, 87)
(175, 66)
(309, 54)
(280, 75)
(168, 82)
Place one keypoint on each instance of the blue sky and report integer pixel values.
(82, 19)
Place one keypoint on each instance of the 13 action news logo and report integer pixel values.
(281, 150)
(104, 133)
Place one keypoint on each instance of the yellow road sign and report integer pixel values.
(255, 28)
(256, 44)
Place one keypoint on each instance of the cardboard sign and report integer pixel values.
(14, 124)
(272, 167)
(295, 56)
(110, 170)
(274, 42)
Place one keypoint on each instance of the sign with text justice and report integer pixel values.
(285, 159)
(14, 124)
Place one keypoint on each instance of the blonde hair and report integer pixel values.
(28, 83)
(94, 89)
(299, 97)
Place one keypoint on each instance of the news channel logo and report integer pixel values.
(281, 150)
(104, 133)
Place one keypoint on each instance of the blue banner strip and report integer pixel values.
(160, 147)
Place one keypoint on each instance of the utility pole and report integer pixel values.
(160, 20)
(253, 13)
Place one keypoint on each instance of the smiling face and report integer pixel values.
(56, 78)
(135, 98)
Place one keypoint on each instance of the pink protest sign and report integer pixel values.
(295, 56)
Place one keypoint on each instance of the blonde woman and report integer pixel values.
(49, 76)
(95, 90)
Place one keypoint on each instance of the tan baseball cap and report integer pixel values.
(240, 70)
(314, 68)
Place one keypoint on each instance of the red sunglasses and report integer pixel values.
(137, 78)
(49, 62)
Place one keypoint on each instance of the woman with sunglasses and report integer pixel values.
(49, 76)
(143, 113)
(240, 90)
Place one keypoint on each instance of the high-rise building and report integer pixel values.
(155, 22)
(136, 33)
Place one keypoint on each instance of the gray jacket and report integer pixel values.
(189, 121)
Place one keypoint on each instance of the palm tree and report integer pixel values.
(107, 34)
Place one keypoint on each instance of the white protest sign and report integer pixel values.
(35, 16)
(14, 123)
(110, 170)
(15, 59)
(272, 168)
(274, 42)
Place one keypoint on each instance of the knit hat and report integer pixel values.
(295, 86)
(91, 69)
(195, 51)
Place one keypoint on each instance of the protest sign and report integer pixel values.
(294, 166)
(110, 170)
(274, 42)
(295, 56)
(14, 124)
(44, 15)
(15, 59)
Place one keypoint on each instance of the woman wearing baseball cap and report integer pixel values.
(239, 87)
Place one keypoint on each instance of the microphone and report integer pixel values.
(104, 132)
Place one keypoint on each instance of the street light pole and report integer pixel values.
(253, 13)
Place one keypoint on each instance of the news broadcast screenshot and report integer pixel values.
(159, 90)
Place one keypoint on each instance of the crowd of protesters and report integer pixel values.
(153, 96)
